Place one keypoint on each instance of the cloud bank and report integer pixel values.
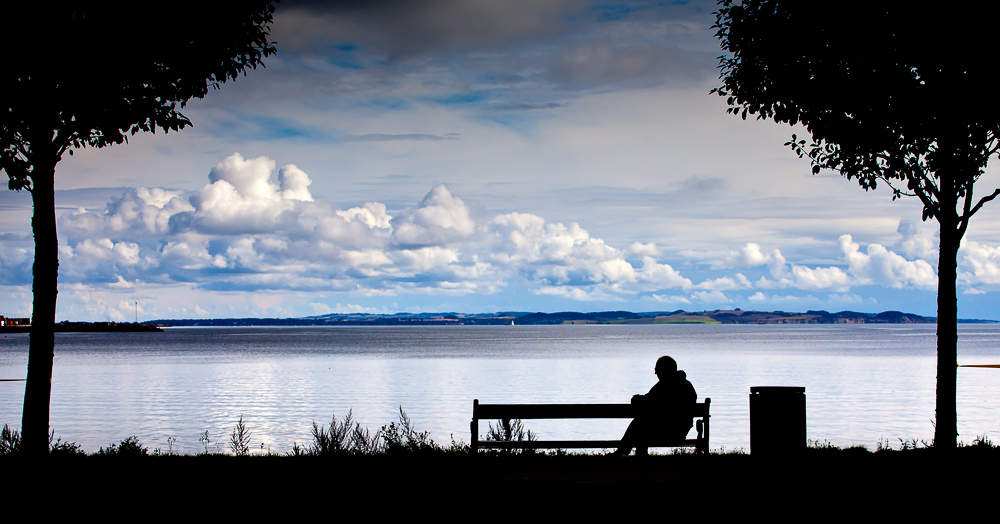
(256, 228)
(249, 230)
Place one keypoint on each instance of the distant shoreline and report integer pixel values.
(89, 327)
(735, 316)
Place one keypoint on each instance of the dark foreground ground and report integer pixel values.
(818, 485)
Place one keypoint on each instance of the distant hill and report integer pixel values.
(735, 316)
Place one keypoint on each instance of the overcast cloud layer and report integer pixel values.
(479, 156)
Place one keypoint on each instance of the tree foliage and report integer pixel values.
(888, 92)
(91, 73)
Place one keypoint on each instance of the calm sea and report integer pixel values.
(863, 382)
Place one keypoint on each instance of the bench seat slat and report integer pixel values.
(533, 411)
(556, 444)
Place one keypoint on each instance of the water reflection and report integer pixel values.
(862, 383)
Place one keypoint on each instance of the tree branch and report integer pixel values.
(985, 199)
(967, 206)
(19, 146)
(992, 144)
(928, 185)
(896, 191)
(929, 203)
(963, 220)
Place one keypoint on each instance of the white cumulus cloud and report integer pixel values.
(978, 264)
(885, 268)
(876, 265)
(252, 228)
(441, 218)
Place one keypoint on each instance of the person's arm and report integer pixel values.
(643, 401)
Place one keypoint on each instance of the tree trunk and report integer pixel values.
(946, 425)
(45, 273)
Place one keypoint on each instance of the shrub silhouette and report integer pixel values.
(129, 447)
(239, 440)
(403, 437)
(335, 439)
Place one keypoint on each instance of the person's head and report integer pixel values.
(665, 367)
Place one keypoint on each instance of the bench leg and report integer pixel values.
(474, 427)
(702, 446)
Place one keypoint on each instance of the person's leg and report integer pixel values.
(679, 432)
(629, 438)
(646, 431)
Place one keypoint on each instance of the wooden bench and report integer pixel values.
(553, 411)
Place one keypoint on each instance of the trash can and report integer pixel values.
(777, 420)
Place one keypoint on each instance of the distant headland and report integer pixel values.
(23, 325)
(734, 316)
(718, 316)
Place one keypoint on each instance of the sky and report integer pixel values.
(480, 156)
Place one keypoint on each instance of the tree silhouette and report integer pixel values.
(90, 73)
(889, 93)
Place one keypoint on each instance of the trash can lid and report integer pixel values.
(777, 390)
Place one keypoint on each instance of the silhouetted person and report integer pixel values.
(665, 413)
